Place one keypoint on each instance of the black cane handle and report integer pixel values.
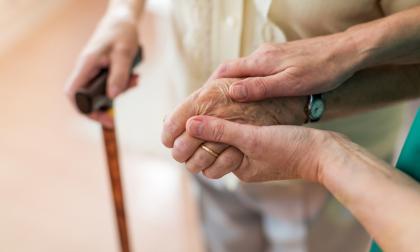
(93, 96)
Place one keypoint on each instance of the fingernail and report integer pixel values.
(239, 92)
(197, 126)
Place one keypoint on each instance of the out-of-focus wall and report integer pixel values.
(18, 17)
(54, 186)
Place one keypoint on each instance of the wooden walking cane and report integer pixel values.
(93, 98)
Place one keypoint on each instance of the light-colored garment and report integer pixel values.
(210, 32)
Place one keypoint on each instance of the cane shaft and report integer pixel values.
(92, 98)
(111, 149)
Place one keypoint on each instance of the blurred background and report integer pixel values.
(54, 188)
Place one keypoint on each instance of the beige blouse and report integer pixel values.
(209, 32)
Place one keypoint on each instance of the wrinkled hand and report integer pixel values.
(213, 100)
(270, 152)
(114, 45)
(301, 67)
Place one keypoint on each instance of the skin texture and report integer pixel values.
(384, 200)
(321, 64)
(330, 63)
(358, 94)
(305, 66)
(265, 148)
(212, 99)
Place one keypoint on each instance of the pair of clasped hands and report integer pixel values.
(240, 121)
(233, 113)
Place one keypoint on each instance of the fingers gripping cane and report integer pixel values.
(93, 98)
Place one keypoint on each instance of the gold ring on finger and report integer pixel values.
(209, 150)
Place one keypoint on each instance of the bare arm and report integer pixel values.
(389, 53)
(383, 199)
(321, 64)
(289, 71)
(113, 45)
(391, 40)
(366, 90)
(373, 88)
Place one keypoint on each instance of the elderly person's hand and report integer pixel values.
(301, 67)
(113, 45)
(212, 99)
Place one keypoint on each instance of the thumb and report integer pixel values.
(258, 88)
(285, 83)
(118, 79)
(237, 68)
(218, 130)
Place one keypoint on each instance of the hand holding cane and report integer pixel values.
(93, 98)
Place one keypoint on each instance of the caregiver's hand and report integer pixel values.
(212, 99)
(114, 45)
(299, 67)
(384, 200)
(270, 152)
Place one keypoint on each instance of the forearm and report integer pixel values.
(387, 51)
(384, 200)
(391, 40)
(132, 8)
(373, 88)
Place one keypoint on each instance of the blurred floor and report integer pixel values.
(54, 188)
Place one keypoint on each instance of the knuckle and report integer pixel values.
(68, 92)
(123, 50)
(86, 56)
(179, 150)
(115, 81)
(169, 126)
(261, 88)
(247, 174)
(89, 57)
(218, 132)
(193, 168)
(222, 69)
(212, 173)
(244, 177)
(267, 48)
(229, 160)
(202, 160)
(177, 155)
(293, 77)
(253, 143)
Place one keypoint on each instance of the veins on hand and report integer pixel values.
(213, 100)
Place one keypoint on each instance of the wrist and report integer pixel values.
(349, 51)
(366, 41)
(124, 10)
(319, 152)
(330, 157)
